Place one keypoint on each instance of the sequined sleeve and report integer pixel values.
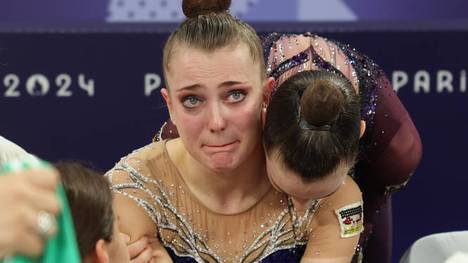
(394, 140)
(140, 191)
(337, 226)
(132, 200)
(134, 204)
(391, 136)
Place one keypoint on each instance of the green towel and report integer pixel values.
(62, 247)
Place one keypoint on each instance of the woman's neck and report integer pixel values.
(227, 192)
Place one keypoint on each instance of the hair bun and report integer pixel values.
(193, 8)
(321, 103)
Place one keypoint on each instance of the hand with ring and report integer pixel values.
(28, 204)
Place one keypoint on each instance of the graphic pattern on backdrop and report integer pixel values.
(160, 10)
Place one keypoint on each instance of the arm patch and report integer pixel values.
(351, 219)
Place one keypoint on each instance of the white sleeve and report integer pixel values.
(10, 151)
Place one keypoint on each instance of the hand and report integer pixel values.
(24, 196)
(140, 251)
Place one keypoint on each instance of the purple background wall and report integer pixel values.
(92, 11)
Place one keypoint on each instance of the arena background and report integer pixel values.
(80, 79)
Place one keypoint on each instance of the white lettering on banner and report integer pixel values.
(39, 85)
(37, 80)
(399, 79)
(86, 86)
(11, 82)
(63, 81)
(445, 81)
(463, 81)
(152, 83)
(422, 80)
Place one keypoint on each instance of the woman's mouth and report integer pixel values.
(220, 147)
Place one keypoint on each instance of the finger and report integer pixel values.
(43, 200)
(30, 244)
(137, 247)
(158, 253)
(46, 178)
(37, 223)
(144, 257)
(125, 238)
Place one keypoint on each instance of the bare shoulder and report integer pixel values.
(348, 191)
(336, 226)
(348, 195)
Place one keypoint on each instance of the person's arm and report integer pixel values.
(393, 139)
(136, 223)
(336, 227)
(391, 136)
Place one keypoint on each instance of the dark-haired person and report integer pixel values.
(390, 135)
(96, 226)
(206, 195)
(311, 141)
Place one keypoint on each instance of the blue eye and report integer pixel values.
(191, 101)
(236, 96)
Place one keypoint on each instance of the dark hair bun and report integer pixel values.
(193, 8)
(321, 103)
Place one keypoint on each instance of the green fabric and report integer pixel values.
(62, 247)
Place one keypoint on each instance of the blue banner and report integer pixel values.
(95, 96)
(58, 12)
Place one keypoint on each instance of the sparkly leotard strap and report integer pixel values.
(290, 63)
(300, 59)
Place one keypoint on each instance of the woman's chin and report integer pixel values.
(223, 163)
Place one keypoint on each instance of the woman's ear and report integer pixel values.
(263, 116)
(267, 90)
(100, 250)
(167, 99)
(363, 128)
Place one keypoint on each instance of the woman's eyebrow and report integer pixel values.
(232, 83)
(190, 87)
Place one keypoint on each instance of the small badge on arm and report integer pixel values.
(351, 219)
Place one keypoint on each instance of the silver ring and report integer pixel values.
(45, 223)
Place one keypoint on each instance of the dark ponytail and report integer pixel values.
(313, 122)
